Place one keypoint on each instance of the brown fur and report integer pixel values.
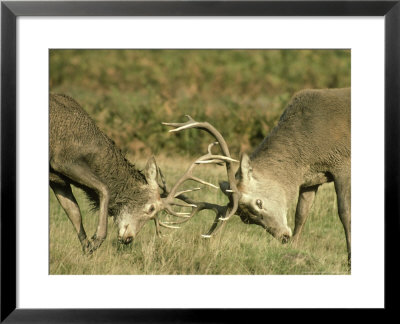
(310, 142)
(82, 155)
(311, 145)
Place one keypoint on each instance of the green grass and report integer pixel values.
(237, 249)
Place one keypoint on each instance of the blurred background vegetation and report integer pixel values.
(241, 92)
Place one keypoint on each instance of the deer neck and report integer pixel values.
(280, 171)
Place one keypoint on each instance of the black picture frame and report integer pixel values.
(11, 10)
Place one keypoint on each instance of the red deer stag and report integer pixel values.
(310, 146)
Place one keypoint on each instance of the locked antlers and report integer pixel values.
(223, 213)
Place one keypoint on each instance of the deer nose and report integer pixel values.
(286, 235)
(128, 240)
(125, 240)
(285, 238)
(124, 235)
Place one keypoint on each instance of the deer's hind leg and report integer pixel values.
(65, 197)
(343, 192)
(83, 175)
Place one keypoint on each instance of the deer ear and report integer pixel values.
(150, 173)
(245, 167)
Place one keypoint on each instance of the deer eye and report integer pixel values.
(151, 209)
(259, 203)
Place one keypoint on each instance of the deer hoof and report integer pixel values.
(87, 247)
(95, 243)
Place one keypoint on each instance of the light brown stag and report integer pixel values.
(310, 146)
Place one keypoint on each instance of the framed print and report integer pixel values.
(130, 71)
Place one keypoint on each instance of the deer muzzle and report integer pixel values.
(125, 236)
(285, 236)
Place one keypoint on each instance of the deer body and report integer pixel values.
(82, 155)
(309, 146)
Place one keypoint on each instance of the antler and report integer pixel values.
(222, 212)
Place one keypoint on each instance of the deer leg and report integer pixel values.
(68, 202)
(343, 192)
(84, 176)
(306, 198)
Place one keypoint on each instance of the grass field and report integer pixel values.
(237, 249)
(242, 92)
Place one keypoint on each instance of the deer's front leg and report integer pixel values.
(83, 175)
(306, 198)
(101, 232)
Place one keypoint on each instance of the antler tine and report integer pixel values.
(212, 158)
(169, 210)
(216, 159)
(183, 205)
(167, 226)
(159, 224)
(210, 146)
(185, 191)
(214, 227)
(191, 123)
(203, 182)
(180, 126)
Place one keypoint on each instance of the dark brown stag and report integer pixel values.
(83, 156)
